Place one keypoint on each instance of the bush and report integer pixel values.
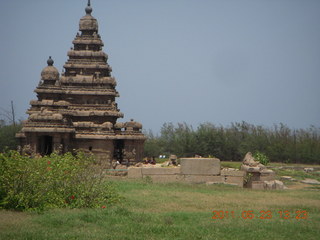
(55, 181)
(262, 158)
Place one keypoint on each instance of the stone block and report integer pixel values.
(250, 160)
(286, 178)
(267, 175)
(269, 185)
(308, 169)
(310, 181)
(202, 179)
(134, 172)
(160, 171)
(257, 185)
(165, 178)
(226, 172)
(200, 166)
(279, 185)
(234, 180)
(250, 169)
(255, 176)
(274, 185)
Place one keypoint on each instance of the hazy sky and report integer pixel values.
(192, 61)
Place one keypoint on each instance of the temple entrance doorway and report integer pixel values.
(45, 145)
(118, 150)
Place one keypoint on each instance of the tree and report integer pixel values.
(8, 115)
(280, 143)
(7, 137)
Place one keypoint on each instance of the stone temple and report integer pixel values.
(77, 110)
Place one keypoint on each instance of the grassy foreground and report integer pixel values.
(175, 211)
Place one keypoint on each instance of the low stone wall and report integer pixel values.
(192, 170)
(200, 166)
(156, 174)
(233, 177)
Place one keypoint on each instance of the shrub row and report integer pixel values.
(280, 143)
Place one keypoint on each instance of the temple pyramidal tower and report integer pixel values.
(77, 110)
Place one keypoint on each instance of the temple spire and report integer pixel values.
(78, 109)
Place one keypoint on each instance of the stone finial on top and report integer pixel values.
(88, 22)
(89, 8)
(50, 61)
(50, 72)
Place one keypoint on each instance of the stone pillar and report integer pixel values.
(34, 142)
(56, 141)
(66, 141)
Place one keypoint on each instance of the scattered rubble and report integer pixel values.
(310, 181)
(286, 178)
(308, 169)
(172, 160)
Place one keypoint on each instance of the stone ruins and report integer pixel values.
(191, 170)
(252, 174)
(77, 110)
(258, 176)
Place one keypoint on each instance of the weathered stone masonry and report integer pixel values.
(77, 110)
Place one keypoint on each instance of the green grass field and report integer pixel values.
(177, 211)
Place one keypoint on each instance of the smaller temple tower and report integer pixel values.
(78, 110)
